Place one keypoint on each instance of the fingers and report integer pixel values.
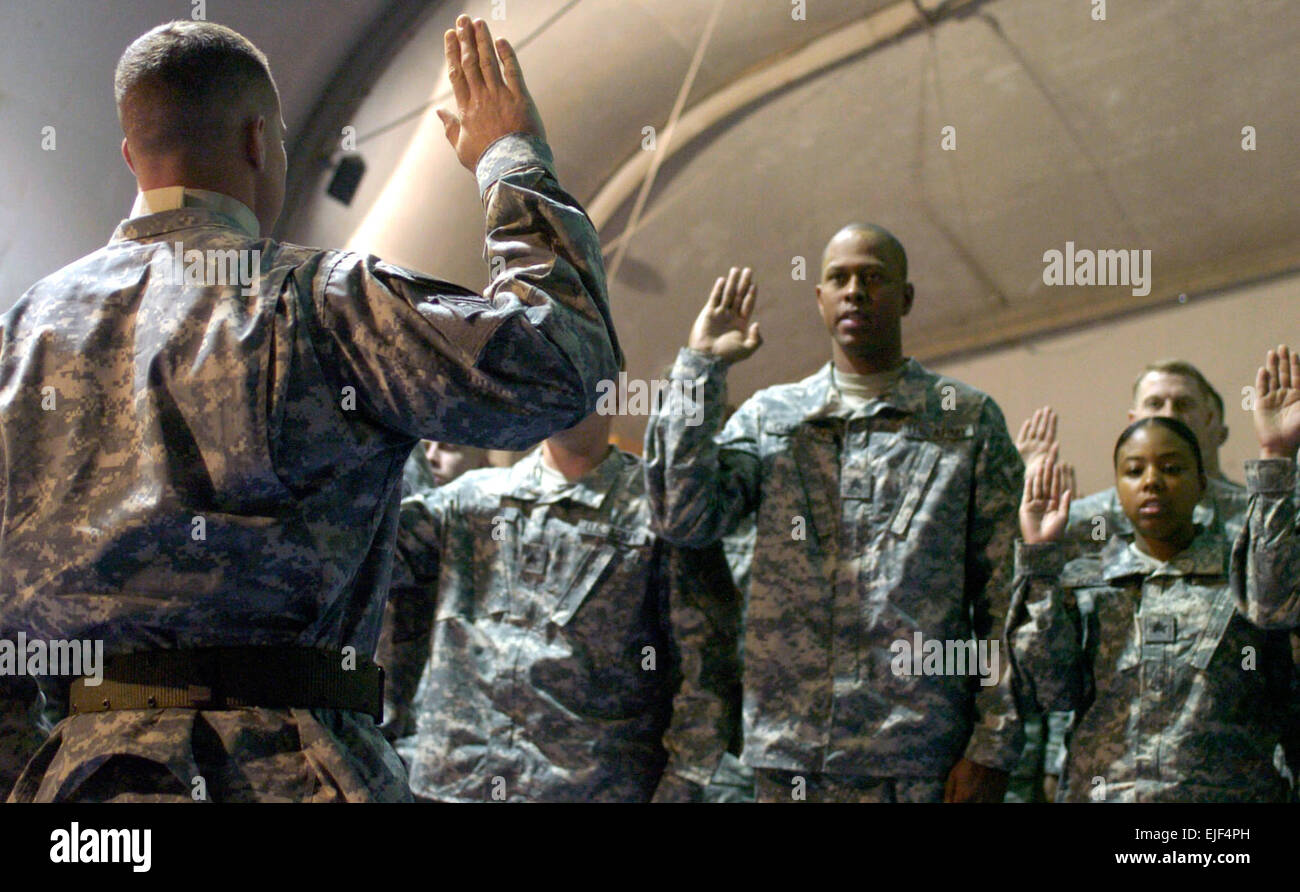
(469, 54)
(510, 70)
(729, 291)
(1036, 424)
(1285, 380)
(714, 303)
(1270, 369)
(1071, 481)
(754, 338)
(745, 291)
(1044, 427)
(1261, 384)
(1023, 435)
(455, 74)
(1068, 489)
(747, 302)
(487, 56)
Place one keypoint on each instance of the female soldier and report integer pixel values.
(1171, 649)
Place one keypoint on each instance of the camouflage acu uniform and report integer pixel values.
(550, 669)
(1093, 520)
(20, 730)
(276, 424)
(872, 525)
(734, 781)
(1180, 692)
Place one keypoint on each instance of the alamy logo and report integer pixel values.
(922, 656)
(633, 396)
(104, 846)
(226, 269)
(58, 657)
(1107, 267)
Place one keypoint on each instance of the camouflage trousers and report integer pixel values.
(773, 785)
(20, 730)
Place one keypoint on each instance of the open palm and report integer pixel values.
(1277, 404)
(1045, 506)
(723, 327)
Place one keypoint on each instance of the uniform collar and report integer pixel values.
(524, 483)
(1204, 557)
(172, 198)
(906, 395)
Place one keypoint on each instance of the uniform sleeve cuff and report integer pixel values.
(1275, 476)
(514, 151)
(1044, 559)
(692, 364)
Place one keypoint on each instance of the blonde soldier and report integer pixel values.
(885, 499)
(213, 491)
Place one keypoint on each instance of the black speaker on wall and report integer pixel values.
(347, 176)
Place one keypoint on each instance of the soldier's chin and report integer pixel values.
(1160, 529)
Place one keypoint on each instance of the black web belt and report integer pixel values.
(231, 678)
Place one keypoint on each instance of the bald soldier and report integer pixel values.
(885, 501)
(212, 489)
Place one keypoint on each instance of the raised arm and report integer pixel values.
(699, 484)
(507, 368)
(1044, 632)
(1266, 556)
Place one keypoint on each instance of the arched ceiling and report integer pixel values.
(1117, 134)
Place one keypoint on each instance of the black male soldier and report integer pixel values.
(211, 487)
(886, 499)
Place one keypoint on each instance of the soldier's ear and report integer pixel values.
(255, 142)
(126, 156)
(909, 295)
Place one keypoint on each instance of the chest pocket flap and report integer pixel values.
(921, 473)
(505, 529)
(1221, 611)
(600, 543)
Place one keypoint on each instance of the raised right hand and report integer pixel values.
(1045, 507)
(723, 327)
(491, 100)
(1036, 437)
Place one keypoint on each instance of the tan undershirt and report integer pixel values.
(857, 390)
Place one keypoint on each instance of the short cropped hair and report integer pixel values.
(1185, 370)
(873, 231)
(178, 85)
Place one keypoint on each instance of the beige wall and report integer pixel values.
(1087, 376)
